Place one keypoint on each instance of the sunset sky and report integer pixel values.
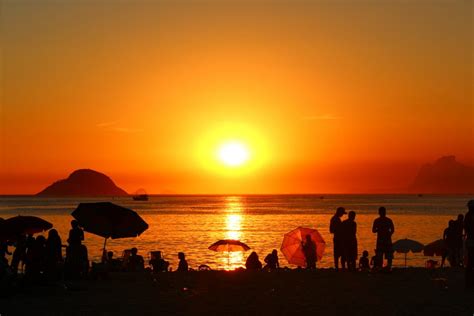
(324, 96)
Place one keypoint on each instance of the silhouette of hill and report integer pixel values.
(83, 182)
(445, 175)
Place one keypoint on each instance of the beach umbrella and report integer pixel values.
(228, 245)
(436, 248)
(109, 220)
(292, 249)
(19, 225)
(406, 245)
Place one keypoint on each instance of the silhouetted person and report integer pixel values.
(54, 256)
(364, 261)
(36, 259)
(376, 262)
(76, 234)
(135, 261)
(309, 251)
(460, 239)
(349, 241)
(183, 264)
(158, 263)
(19, 254)
(335, 229)
(271, 261)
(3, 265)
(252, 262)
(469, 230)
(384, 228)
(77, 261)
(450, 239)
(111, 263)
(4, 249)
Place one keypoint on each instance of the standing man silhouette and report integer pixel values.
(469, 230)
(383, 227)
(309, 251)
(335, 229)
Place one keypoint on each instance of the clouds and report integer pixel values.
(113, 126)
(325, 117)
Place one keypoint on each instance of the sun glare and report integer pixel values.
(233, 154)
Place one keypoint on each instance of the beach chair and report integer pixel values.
(431, 264)
(204, 267)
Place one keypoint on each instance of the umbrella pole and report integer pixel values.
(105, 242)
(405, 260)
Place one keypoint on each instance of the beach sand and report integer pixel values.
(413, 291)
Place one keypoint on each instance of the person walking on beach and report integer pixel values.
(335, 229)
(469, 229)
(349, 241)
(309, 251)
(384, 228)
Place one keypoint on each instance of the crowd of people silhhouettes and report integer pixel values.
(41, 259)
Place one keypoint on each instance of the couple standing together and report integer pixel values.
(345, 238)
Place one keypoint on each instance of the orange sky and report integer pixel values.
(330, 96)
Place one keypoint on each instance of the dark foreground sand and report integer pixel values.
(325, 292)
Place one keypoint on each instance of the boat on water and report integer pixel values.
(140, 195)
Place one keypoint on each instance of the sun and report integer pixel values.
(233, 154)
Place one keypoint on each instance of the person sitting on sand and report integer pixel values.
(253, 263)
(111, 263)
(158, 263)
(135, 261)
(384, 228)
(364, 261)
(375, 262)
(309, 251)
(183, 264)
(335, 229)
(271, 261)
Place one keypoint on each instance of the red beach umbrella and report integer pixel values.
(228, 245)
(14, 226)
(291, 245)
(436, 248)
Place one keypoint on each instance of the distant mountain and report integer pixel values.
(446, 175)
(84, 182)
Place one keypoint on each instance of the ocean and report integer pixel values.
(191, 223)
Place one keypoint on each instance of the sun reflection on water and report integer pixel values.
(234, 220)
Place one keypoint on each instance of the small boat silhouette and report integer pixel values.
(140, 195)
